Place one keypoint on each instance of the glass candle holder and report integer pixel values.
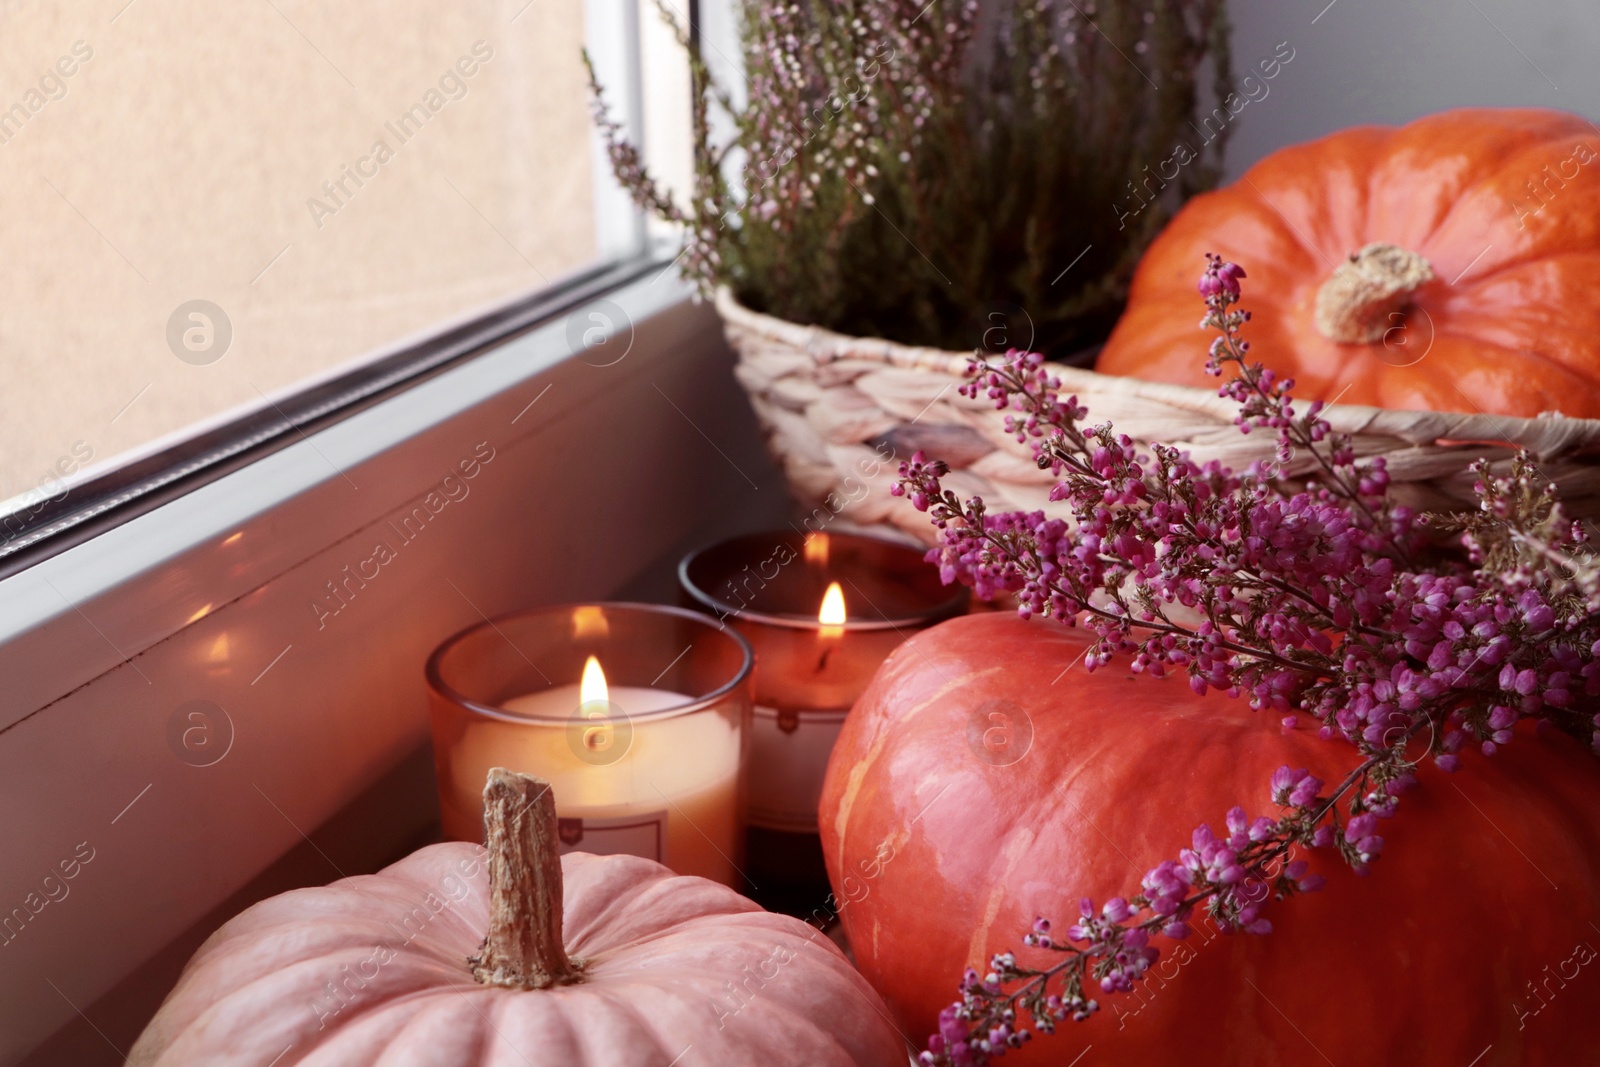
(637, 714)
(813, 659)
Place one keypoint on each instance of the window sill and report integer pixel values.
(523, 476)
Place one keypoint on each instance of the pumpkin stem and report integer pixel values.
(1359, 303)
(523, 948)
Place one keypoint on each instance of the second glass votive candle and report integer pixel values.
(822, 612)
(637, 714)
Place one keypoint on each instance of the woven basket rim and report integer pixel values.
(1547, 435)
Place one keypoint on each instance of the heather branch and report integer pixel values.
(978, 129)
(625, 158)
(1123, 618)
(1312, 605)
(986, 995)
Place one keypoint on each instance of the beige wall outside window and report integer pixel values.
(328, 177)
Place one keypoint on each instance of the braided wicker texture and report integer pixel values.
(840, 413)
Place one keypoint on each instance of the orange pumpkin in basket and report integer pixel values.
(1449, 265)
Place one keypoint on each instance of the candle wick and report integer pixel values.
(822, 661)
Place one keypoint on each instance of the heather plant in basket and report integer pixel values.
(1326, 603)
(902, 169)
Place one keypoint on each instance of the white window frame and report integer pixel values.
(111, 485)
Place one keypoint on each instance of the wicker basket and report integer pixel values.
(836, 407)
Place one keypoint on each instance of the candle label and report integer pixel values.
(789, 752)
(643, 834)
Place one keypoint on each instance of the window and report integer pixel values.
(212, 210)
(387, 331)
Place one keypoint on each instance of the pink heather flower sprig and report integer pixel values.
(1322, 600)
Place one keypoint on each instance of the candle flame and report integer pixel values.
(593, 686)
(832, 613)
(817, 549)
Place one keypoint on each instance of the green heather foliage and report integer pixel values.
(921, 171)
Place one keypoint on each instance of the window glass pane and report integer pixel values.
(208, 203)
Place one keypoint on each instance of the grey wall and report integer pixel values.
(1390, 61)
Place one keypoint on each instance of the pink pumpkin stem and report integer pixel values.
(523, 948)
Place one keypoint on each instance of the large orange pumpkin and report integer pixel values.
(975, 786)
(1450, 265)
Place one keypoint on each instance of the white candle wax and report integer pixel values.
(672, 794)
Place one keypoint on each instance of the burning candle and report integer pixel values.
(650, 767)
(822, 612)
(831, 617)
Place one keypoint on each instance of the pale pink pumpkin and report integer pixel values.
(374, 971)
